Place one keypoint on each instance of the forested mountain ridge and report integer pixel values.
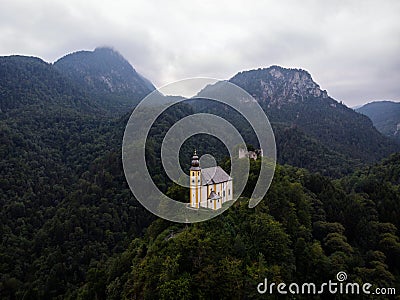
(64, 201)
(71, 229)
(107, 74)
(101, 81)
(385, 115)
(30, 83)
(277, 86)
(61, 208)
(290, 96)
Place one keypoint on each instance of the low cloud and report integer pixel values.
(349, 47)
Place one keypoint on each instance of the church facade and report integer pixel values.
(209, 187)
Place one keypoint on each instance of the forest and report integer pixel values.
(70, 227)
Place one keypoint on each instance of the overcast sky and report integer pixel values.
(351, 48)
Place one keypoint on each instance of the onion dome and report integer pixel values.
(195, 165)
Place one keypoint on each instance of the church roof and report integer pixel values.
(214, 175)
(213, 196)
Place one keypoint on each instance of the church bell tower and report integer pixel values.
(195, 178)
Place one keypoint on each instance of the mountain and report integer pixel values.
(108, 75)
(56, 139)
(86, 81)
(357, 106)
(312, 130)
(70, 227)
(296, 148)
(385, 115)
(291, 97)
(277, 86)
(31, 83)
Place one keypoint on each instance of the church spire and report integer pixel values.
(195, 165)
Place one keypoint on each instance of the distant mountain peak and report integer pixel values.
(293, 98)
(107, 73)
(385, 115)
(276, 85)
(279, 71)
(110, 51)
(105, 49)
(27, 81)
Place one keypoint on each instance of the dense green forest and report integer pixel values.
(385, 115)
(70, 227)
(307, 229)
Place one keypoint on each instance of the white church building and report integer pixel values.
(209, 187)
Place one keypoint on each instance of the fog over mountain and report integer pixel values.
(350, 48)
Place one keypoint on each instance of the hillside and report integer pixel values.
(70, 227)
(290, 96)
(108, 75)
(55, 139)
(31, 83)
(385, 115)
(101, 81)
(312, 130)
(307, 229)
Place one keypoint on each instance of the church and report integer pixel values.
(209, 187)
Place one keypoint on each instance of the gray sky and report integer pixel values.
(351, 48)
